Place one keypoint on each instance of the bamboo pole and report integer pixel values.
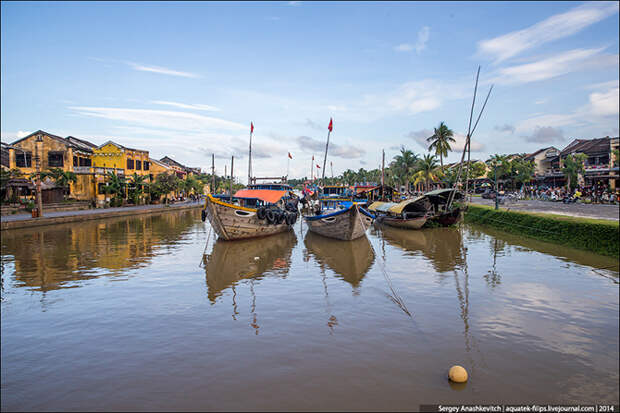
(325, 159)
(213, 173)
(232, 164)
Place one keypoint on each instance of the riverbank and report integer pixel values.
(595, 235)
(25, 221)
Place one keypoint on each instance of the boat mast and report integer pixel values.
(213, 173)
(329, 131)
(382, 174)
(250, 155)
(232, 164)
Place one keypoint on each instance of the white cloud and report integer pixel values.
(185, 105)
(295, 3)
(161, 70)
(421, 96)
(553, 28)
(541, 101)
(159, 118)
(604, 104)
(423, 36)
(600, 111)
(554, 66)
(403, 47)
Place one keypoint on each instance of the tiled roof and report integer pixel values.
(588, 146)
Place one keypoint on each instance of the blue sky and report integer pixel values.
(186, 79)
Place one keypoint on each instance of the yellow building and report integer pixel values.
(69, 154)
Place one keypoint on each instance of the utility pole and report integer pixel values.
(232, 164)
(38, 149)
(496, 191)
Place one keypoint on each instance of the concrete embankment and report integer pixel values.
(79, 216)
(595, 235)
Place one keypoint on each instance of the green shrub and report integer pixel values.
(29, 206)
(598, 236)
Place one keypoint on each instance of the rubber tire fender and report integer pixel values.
(270, 214)
(280, 217)
(261, 213)
(203, 215)
(293, 218)
(288, 219)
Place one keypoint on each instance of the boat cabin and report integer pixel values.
(411, 208)
(335, 191)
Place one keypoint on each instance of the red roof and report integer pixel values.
(267, 195)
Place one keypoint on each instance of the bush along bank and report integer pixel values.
(599, 236)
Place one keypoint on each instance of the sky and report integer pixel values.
(185, 79)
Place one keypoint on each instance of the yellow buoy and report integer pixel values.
(457, 374)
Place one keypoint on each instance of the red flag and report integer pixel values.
(313, 157)
(290, 156)
(331, 125)
(251, 127)
(318, 166)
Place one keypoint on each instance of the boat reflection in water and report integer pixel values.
(232, 261)
(350, 260)
(442, 246)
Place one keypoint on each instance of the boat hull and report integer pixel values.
(412, 223)
(448, 218)
(231, 222)
(344, 225)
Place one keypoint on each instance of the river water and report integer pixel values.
(124, 314)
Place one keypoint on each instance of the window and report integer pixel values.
(85, 162)
(55, 159)
(75, 161)
(138, 165)
(129, 163)
(23, 160)
(146, 165)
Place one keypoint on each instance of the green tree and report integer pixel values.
(404, 164)
(440, 141)
(573, 165)
(616, 153)
(136, 187)
(503, 169)
(426, 171)
(115, 185)
(61, 178)
(522, 171)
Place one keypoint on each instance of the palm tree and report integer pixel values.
(405, 163)
(116, 186)
(440, 141)
(136, 187)
(427, 171)
(61, 178)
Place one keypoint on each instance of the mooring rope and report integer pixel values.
(395, 297)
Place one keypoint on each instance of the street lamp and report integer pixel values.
(496, 191)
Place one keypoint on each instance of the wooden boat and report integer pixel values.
(232, 222)
(350, 260)
(346, 224)
(409, 214)
(230, 262)
(439, 202)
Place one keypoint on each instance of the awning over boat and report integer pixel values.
(441, 195)
(267, 195)
(381, 206)
(410, 204)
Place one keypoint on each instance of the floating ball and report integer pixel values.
(457, 374)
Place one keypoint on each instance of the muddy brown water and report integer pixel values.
(124, 314)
